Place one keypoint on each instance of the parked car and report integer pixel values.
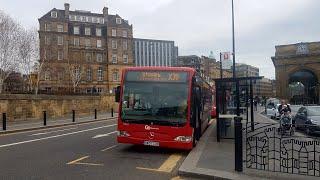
(308, 119)
(214, 111)
(272, 111)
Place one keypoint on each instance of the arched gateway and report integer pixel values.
(297, 69)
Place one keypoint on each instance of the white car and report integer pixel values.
(272, 111)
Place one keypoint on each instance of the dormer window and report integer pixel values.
(118, 20)
(54, 14)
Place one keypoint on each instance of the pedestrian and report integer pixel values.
(255, 103)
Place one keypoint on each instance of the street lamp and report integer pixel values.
(233, 44)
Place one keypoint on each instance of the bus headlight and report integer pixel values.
(183, 138)
(123, 133)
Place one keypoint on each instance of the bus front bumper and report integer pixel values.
(165, 144)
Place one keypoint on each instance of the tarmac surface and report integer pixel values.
(83, 151)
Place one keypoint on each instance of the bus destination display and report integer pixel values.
(160, 76)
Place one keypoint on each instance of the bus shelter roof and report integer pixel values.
(221, 80)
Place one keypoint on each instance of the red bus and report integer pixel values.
(162, 106)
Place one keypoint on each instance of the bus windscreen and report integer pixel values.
(155, 98)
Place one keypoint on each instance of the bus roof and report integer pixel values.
(160, 68)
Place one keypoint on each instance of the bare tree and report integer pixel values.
(75, 72)
(28, 54)
(9, 37)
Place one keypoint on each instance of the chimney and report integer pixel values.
(105, 11)
(105, 14)
(66, 10)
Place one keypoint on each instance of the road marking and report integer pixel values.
(60, 135)
(51, 132)
(176, 178)
(103, 135)
(67, 125)
(167, 166)
(108, 148)
(77, 162)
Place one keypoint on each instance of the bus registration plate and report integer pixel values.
(151, 143)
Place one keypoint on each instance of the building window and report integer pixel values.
(98, 32)
(76, 30)
(83, 18)
(125, 58)
(72, 17)
(101, 20)
(78, 18)
(47, 40)
(54, 14)
(99, 90)
(60, 54)
(60, 28)
(94, 20)
(89, 74)
(60, 76)
(114, 32)
(76, 41)
(114, 44)
(47, 76)
(114, 58)
(44, 54)
(77, 72)
(115, 76)
(87, 42)
(124, 33)
(47, 27)
(90, 19)
(125, 44)
(99, 57)
(60, 40)
(88, 57)
(100, 74)
(87, 31)
(118, 20)
(99, 43)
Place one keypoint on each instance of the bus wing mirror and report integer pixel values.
(117, 94)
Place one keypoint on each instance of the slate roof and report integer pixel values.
(61, 17)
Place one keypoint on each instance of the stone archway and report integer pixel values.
(303, 87)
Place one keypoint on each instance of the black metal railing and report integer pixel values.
(268, 149)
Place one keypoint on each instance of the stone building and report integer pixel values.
(152, 52)
(297, 68)
(208, 67)
(264, 86)
(83, 51)
(245, 70)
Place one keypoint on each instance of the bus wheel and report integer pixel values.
(194, 139)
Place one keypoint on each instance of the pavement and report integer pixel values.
(20, 126)
(83, 151)
(215, 160)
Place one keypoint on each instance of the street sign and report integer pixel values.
(226, 60)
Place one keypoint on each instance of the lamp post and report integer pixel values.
(234, 63)
(233, 43)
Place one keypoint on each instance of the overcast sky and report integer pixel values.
(201, 26)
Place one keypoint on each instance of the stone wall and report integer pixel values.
(22, 107)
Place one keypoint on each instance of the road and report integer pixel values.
(87, 151)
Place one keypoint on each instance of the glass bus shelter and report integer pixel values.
(234, 97)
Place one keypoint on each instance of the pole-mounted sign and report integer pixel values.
(226, 60)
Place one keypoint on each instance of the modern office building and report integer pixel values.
(151, 52)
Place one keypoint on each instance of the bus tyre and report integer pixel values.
(194, 139)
